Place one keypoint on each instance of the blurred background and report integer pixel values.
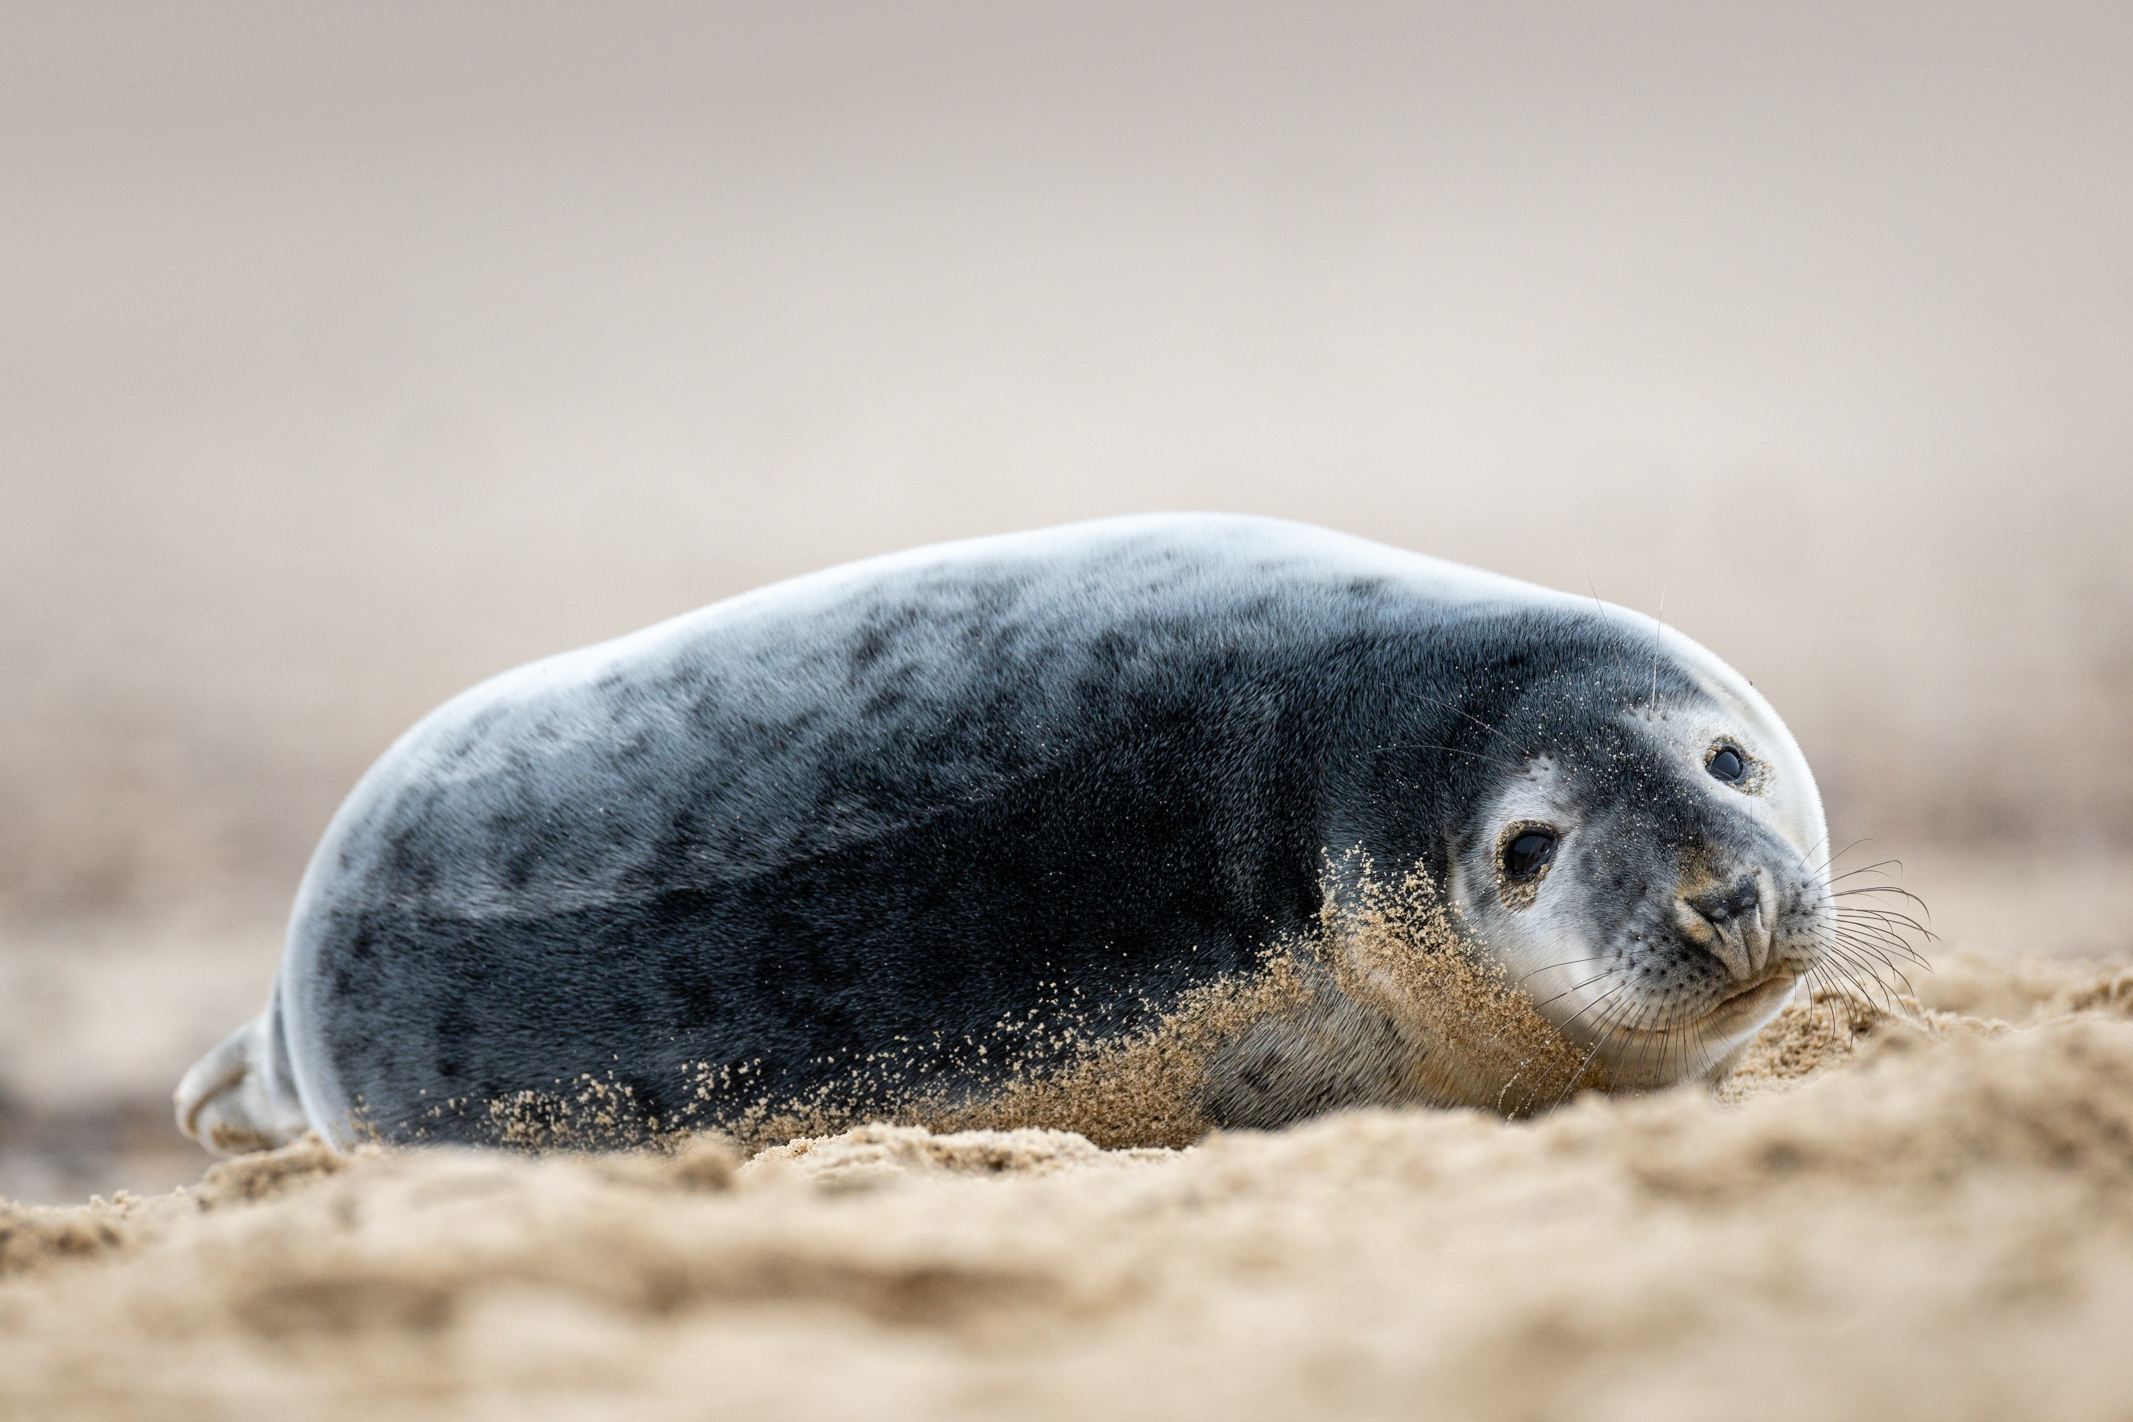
(356, 352)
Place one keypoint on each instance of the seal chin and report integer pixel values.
(1744, 1011)
(1646, 1058)
(1751, 1005)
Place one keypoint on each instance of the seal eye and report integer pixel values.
(1528, 854)
(1728, 765)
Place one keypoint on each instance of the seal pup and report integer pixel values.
(1282, 819)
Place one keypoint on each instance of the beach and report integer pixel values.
(1918, 1213)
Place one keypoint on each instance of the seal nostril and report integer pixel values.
(1722, 905)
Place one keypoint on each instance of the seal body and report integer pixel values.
(877, 831)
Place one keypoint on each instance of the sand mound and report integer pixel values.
(1877, 1217)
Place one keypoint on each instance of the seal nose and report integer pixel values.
(1727, 919)
(1727, 902)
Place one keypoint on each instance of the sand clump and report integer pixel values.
(1876, 1217)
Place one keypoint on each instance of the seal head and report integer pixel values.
(1648, 865)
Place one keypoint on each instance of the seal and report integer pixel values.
(1139, 826)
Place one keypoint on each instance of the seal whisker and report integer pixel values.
(1694, 1038)
(1468, 715)
(1609, 1023)
(1843, 996)
(1603, 997)
(1870, 892)
(1853, 990)
(1867, 868)
(1660, 1038)
(1575, 987)
(1567, 963)
(1875, 889)
(1830, 862)
(1880, 923)
(1881, 915)
(1887, 964)
(1560, 1033)
(1826, 975)
(1613, 633)
(1685, 1039)
(1856, 951)
(1891, 931)
(1599, 1045)
(1646, 1038)
(1658, 642)
(1884, 942)
(1882, 933)
(1455, 750)
(1816, 978)
(1703, 1048)
(1865, 976)
(1821, 868)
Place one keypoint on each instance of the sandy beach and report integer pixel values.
(1922, 1215)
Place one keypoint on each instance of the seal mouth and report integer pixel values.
(1731, 1011)
(1749, 1000)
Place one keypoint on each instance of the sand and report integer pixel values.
(1876, 1217)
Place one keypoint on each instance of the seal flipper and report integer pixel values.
(240, 1097)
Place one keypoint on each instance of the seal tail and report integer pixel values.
(240, 1097)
